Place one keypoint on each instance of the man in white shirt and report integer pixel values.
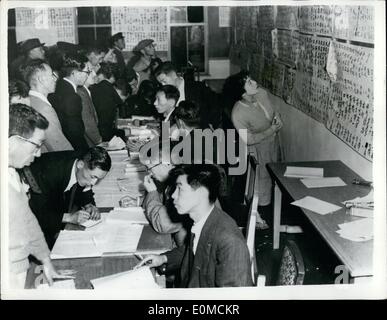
(42, 81)
(217, 253)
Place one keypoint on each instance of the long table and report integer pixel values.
(356, 256)
(107, 193)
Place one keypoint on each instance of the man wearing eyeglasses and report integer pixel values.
(42, 81)
(25, 137)
(68, 103)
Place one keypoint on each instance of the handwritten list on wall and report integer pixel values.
(141, 23)
(50, 25)
(319, 59)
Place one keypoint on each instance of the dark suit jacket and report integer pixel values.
(221, 260)
(52, 172)
(208, 101)
(68, 106)
(120, 62)
(106, 101)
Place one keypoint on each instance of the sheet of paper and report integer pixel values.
(64, 284)
(361, 212)
(75, 244)
(127, 215)
(323, 182)
(303, 172)
(133, 279)
(90, 223)
(359, 230)
(119, 237)
(316, 205)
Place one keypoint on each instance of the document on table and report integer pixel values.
(127, 215)
(90, 223)
(133, 279)
(316, 205)
(75, 244)
(303, 172)
(119, 237)
(359, 230)
(323, 182)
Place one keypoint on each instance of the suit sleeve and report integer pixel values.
(157, 214)
(175, 258)
(233, 267)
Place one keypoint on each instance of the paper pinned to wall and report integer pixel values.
(224, 16)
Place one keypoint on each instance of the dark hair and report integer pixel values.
(201, 175)
(31, 68)
(23, 120)
(233, 87)
(147, 90)
(71, 62)
(17, 88)
(97, 157)
(108, 70)
(123, 85)
(188, 112)
(171, 92)
(166, 67)
(96, 48)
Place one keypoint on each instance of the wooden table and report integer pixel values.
(356, 256)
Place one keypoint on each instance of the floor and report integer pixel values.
(319, 260)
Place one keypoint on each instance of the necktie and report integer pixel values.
(191, 254)
(27, 176)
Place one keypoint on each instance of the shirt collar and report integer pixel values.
(72, 83)
(181, 91)
(39, 95)
(15, 181)
(169, 115)
(197, 228)
(87, 90)
(73, 179)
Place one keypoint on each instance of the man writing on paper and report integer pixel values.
(25, 138)
(216, 254)
(65, 179)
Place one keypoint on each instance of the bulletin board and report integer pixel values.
(319, 59)
(141, 23)
(50, 25)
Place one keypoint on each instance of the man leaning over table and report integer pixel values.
(216, 254)
(66, 179)
(25, 138)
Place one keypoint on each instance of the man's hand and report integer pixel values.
(93, 211)
(153, 261)
(149, 184)
(80, 216)
(49, 271)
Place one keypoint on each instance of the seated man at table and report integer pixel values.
(217, 254)
(158, 204)
(65, 179)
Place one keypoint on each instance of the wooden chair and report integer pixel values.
(292, 268)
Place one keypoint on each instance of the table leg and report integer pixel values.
(277, 216)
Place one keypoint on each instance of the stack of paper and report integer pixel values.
(140, 278)
(323, 182)
(116, 143)
(65, 284)
(119, 237)
(316, 205)
(127, 215)
(303, 172)
(75, 244)
(359, 230)
(90, 223)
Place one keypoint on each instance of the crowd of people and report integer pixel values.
(64, 103)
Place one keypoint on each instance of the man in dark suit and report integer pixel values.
(67, 102)
(217, 253)
(195, 91)
(65, 179)
(117, 42)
